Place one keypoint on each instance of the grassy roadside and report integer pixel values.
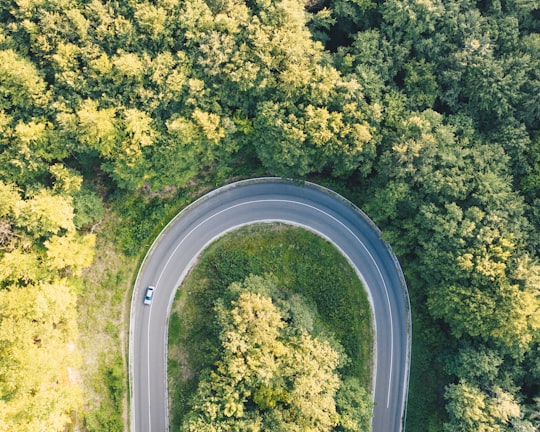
(302, 262)
(102, 334)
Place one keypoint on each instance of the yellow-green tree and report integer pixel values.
(41, 254)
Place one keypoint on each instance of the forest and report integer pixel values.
(425, 113)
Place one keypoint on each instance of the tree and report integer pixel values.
(87, 208)
(40, 255)
(22, 89)
(70, 253)
(470, 409)
(477, 365)
(420, 84)
(38, 388)
(98, 127)
(44, 214)
(257, 383)
(295, 142)
(354, 406)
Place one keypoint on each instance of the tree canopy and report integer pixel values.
(272, 373)
(41, 257)
(426, 111)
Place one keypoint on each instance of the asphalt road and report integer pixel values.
(223, 210)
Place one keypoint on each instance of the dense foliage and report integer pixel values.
(272, 374)
(430, 108)
(42, 256)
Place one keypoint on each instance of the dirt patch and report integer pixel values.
(186, 372)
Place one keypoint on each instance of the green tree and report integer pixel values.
(470, 409)
(87, 208)
(22, 90)
(354, 406)
(44, 214)
(257, 384)
(479, 365)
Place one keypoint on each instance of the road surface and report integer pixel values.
(176, 250)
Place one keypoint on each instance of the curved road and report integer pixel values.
(176, 250)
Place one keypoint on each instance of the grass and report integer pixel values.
(102, 336)
(302, 262)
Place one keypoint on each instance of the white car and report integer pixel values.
(149, 296)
